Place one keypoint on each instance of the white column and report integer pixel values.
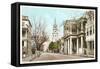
(66, 47)
(81, 27)
(88, 48)
(26, 37)
(70, 45)
(81, 44)
(77, 46)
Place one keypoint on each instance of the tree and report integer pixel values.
(39, 33)
(54, 46)
(51, 45)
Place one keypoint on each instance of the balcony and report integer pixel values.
(24, 26)
(24, 37)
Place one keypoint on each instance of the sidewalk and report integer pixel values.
(88, 56)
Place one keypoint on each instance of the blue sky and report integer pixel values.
(50, 14)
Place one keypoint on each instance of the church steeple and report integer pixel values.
(55, 32)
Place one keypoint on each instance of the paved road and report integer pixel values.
(55, 56)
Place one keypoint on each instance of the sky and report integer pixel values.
(49, 15)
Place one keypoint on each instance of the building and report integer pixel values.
(61, 48)
(74, 36)
(45, 46)
(90, 32)
(26, 37)
(55, 32)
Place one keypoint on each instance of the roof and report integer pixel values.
(26, 19)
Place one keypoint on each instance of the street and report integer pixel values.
(56, 56)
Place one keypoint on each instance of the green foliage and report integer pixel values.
(53, 45)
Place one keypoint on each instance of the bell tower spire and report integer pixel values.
(55, 32)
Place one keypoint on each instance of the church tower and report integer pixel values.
(55, 32)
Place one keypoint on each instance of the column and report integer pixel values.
(70, 45)
(88, 48)
(65, 47)
(81, 27)
(77, 46)
(82, 45)
(26, 37)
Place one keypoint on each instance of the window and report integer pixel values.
(23, 33)
(67, 28)
(74, 28)
(90, 30)
(87, 33)
(22, 43)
